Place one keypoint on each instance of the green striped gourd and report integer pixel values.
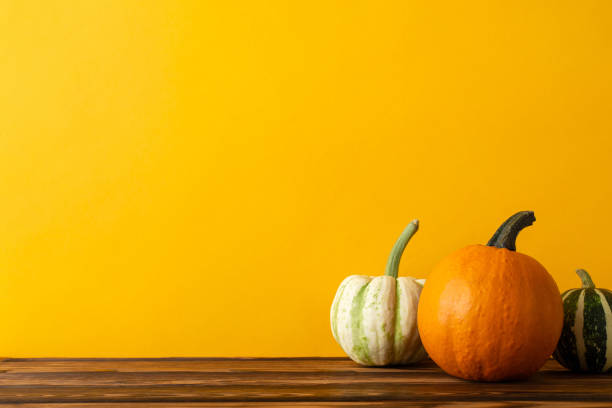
(586, 339)
(374, 319)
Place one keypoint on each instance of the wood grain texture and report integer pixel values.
(315, 404)
(290, 382)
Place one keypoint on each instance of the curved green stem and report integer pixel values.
(505, 236)
(587, 282)
(398, 248)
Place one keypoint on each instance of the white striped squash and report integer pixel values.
(374, 319)
(586, 339)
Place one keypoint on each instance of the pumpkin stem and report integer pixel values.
(398, 248)
(587, 282)
(505, 236)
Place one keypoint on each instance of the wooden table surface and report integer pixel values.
(281, 382)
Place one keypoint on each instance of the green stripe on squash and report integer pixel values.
(360, 341)
(594, 331)
(566, 352)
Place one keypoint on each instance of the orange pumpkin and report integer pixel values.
(488, 313)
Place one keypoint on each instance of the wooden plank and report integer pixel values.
(267, 378)
(289, 393)
(213, 365)
(376, 404)
(111, 378)
(199, 364)
(284, 382)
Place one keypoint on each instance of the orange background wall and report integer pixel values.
(183, 178)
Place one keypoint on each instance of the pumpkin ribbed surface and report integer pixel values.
(490, 314)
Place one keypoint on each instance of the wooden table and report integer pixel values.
(282, 382)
